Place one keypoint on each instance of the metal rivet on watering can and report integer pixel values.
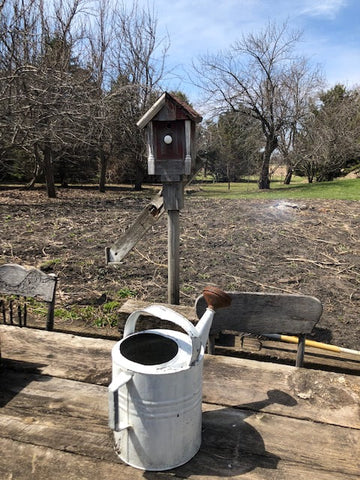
(156, 390)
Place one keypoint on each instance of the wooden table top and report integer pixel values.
(260, 420)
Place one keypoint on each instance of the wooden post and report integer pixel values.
(170, 125)
(300, 351)
(173, 257)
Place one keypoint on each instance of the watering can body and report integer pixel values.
(156, 391)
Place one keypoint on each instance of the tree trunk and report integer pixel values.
(103, 168)
(37, 171)
(288, 175)
(139, 178)
(49, 172)
(264, 179)
(30, 185)
(205, 169)
(62, 171)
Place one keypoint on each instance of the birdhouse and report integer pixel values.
(170, 125)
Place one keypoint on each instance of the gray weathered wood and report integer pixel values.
(146, 219)
(58, 354)
(150, 214)
(29, 282)
(70, 417)
(41, 463)
(23, 461)
(228, 381)
(260, 420)
(263, 313)
(301, 350)
(173, 257)
(283, 390)
(173, 195)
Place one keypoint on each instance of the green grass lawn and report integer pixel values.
(344, 189)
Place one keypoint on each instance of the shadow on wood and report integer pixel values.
(231, 446)
(12, 382)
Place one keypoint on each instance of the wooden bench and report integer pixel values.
(265, 313)
(27, 282)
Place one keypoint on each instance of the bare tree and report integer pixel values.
(304, 84)
(76, 75)
(46, 88)
(127, 60)
(100, 36)
(329, 142)
(142, 65)
(254, 77)
(229, 147)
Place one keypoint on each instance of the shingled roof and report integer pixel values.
(161, 102)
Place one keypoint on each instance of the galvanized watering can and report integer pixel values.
(156, 389)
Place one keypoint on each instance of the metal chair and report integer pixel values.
(265, 313)
(18, 281)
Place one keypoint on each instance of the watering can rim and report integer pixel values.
(165, 313)
(180, 362)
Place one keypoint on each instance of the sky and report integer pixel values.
(330, 38)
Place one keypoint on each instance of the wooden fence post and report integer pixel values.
(173, 257)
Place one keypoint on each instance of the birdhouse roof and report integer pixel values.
(165, 99)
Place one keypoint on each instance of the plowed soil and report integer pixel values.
(307, 247)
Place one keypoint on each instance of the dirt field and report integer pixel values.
(310, 248)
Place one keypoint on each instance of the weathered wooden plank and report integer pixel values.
(271, 439)
(318, 395)
(57, 354)
(43, 394)
(146, 219)
(314, 358)
(29, 282)
(59, 432)
(173, 256)
(265, 313)
(70, 417)
(328, 398)
(150, 214)
(22, 461)
(56, 413)
(271, 350)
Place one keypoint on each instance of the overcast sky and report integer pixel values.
(331, 31)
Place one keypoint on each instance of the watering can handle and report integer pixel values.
(119, 381)
(165, 313)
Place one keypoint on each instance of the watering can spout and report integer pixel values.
(215, 298)
(204, 324)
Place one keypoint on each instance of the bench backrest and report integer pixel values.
(29, 282)
(265, 313)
